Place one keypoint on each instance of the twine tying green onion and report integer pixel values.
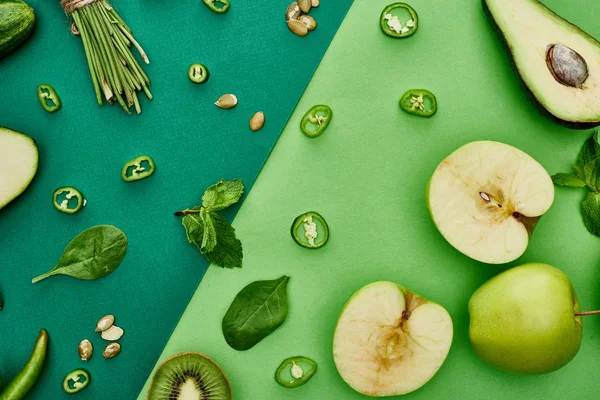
(107, 39)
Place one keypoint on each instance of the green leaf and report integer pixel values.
(194, 228)
(257, 310)
(223, 194)
(590, 150)
(93, 254)
(570, 180)
(591, 213)
(228, 251)
(578, 171)
(209, 239)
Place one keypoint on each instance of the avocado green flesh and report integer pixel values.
(528, 28)
(16, 23)
(18, 164)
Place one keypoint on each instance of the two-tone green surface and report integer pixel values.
(367, 176)
(250, 52)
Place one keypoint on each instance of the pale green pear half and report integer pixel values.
(390, 341)
(18, 164)
(486, 198)
(523, 320)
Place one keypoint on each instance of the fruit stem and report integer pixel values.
(583, 313)
(187, 212)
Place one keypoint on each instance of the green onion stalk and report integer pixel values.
(107, 40)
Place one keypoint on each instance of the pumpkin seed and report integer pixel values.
(113, 333)
(105, 322)
(293, 11)
(227, 101)
(304, 5)
(257, 121)
(309, 21)
(315, 3)
(111, 350)
(297, 27)
(85, 350)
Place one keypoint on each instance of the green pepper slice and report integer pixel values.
(198, 73)
(391, 24)
(76, 381)
(295, 371)
(316, 120)
(49, 99)
(218, 6)
(419, 102)
(138, 168)
(310, 230)
(63, 205)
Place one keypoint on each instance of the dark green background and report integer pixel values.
(366, 175)
(250, 53)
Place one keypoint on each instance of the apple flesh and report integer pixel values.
(523, 320)
(486, 198)
(390, 341)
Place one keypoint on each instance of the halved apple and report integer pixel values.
(390, 341)
(18, 164)
(487, 197)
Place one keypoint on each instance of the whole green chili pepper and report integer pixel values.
(76, 381)
(212, 4)
(198, 73)
(63, 206)
(49, 99)
(18, 388)
(419, 102)
(316, 120)
(296, 375)
(392, 26)
(134, 170)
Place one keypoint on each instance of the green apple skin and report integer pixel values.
(523, 320)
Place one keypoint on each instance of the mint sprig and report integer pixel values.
(212, 234)
(586, 173)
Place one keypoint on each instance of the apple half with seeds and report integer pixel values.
(487, 197)
(390, 341)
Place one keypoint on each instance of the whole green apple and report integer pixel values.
(524, 320)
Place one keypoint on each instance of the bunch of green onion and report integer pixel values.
(107, 40)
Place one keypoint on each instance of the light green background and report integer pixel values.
(367, 175)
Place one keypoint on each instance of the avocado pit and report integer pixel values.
(566, 65)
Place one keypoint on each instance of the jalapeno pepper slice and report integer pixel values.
(310, 230)
(218, 6)
(61, 203)
(295, 371)
(76, 381)
(316, 120)
(391, 24)
(419, 102)
(198, 73)
(49, 99)
(138, 168)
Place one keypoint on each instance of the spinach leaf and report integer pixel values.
(93, 254)
(257, 310)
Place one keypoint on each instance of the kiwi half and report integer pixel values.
(189, 376)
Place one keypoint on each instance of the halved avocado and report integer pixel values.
(557, 61)
(18, 164)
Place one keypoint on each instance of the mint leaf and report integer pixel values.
(194, 228)
(570, 180)
(578, 171)
(591, 213)
(223, 194)
(590, 151)
(228, 251)
(209, 239)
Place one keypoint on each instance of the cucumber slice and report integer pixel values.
(18, 164)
